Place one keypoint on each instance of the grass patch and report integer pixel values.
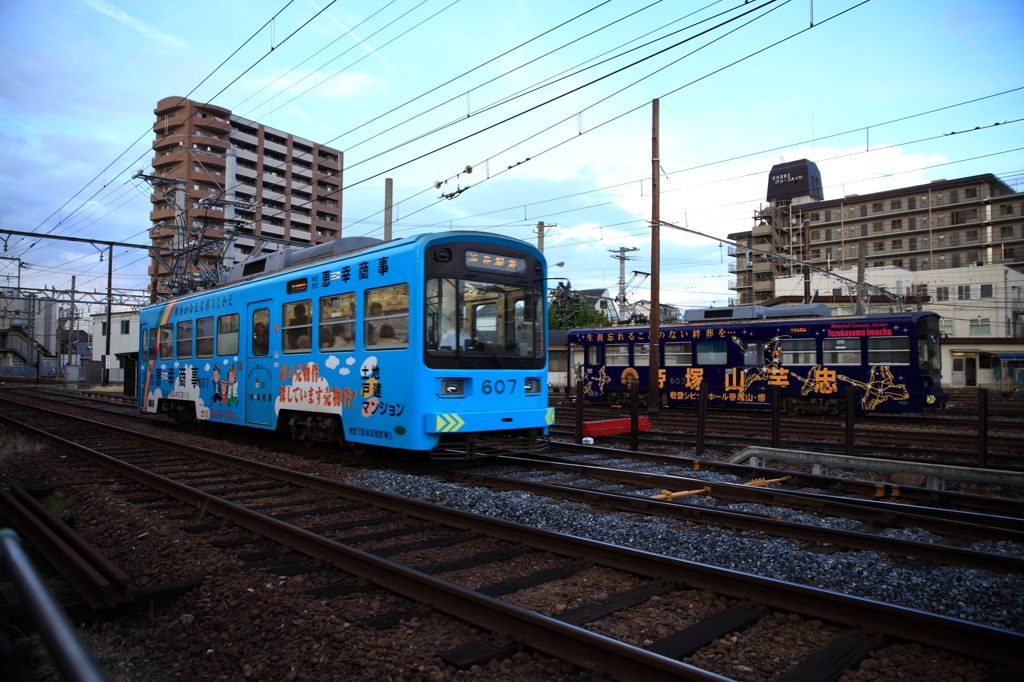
(14, 444)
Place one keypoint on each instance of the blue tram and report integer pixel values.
(432, 344)
(739, 354)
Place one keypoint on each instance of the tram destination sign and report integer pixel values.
(490, 262)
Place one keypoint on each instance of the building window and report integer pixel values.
(963, 292)
(911, 223)
(912, 203)
(864, 210)
(972, 236)
(897, 244)
(912, 244)
(1006, 209)
(1006, 232)
(103, 328)
(815, 217)
(954, 197)
(986, 290)
(946, 326)
(971, 193)
(877, 228)
(896, 204)
(879, 247)
(896, 226)
(837, 292)
(125, 327)
(864, 230)
(877, 207)
(981, 325)
(815, 235)
(898, 262)
(941, 293)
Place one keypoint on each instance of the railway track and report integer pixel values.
(936, 440)
(646, 578)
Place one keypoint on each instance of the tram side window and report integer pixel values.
(617, 354)
(185, 340)
(889, 350)
(797, 351)
(166, 341)
(678, 353)
(753, 353)
(642, 354)
(227, 334)
(593, 355)
(204, 337)
(386, 316)
(840, 351)
(261, 332)
(297, 331)
(337, 322)
(712, 352)
(148, 348)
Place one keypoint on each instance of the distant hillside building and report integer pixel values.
(978, 220)
(217, 174)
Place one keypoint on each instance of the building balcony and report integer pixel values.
(239, 136)
(299, 186)
(247, 173)
(298, 218)
(298, 233)
(267, 228)
(246, 154)
(269, 146)
(764, 285)
(269, 194)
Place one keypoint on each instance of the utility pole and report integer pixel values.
(620, 299)
(71, 328)
(110, 282)
(807, 261)
(541, 229)
(654, 394)
(388, 189)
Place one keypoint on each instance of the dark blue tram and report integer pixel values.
(892, 361)
(431, 344)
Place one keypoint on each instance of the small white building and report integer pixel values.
(124, 342)
(982, 309)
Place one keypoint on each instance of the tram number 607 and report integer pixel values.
(498, 386)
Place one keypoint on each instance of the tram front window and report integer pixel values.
(467, 318)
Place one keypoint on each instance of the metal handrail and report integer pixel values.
(73, 658)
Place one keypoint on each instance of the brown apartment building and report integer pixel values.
(286, 191)
(972, 221)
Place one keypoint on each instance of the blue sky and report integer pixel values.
(387, 82)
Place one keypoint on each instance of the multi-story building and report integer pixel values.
(978, 220)
(227, 186)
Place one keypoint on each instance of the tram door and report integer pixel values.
(259, 388)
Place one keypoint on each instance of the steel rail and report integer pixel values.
(581, 648)
(1012, 510)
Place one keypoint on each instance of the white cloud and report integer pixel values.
(133, 23)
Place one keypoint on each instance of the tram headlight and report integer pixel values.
(533, 385)
(453, 387)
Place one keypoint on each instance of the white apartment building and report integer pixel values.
(124, 342)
